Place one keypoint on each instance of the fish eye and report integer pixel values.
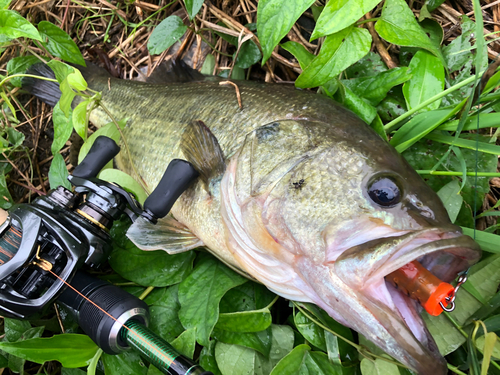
(384, 192)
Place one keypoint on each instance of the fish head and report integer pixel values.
(323, 215)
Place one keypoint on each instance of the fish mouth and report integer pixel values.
(402, 331)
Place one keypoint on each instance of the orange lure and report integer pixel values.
(421, 285)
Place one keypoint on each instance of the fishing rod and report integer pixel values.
(45, 245)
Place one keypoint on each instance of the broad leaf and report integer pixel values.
(80, 119)
(339, 51)
(339, 14)
(186, 343)
(398, 25)
(59, 44)
(245, 321)
(63, 127)
(13, 25)
(451, 198)
(125, 181)
(58, 174)
(19, 65)
(193, 7)
(359, 106)
(259, 341)
(69, 349)
(169, 31)
(427, 81)
(375, 88)
(275, 18)
(125, 363)
(200, 294)
(303, 56)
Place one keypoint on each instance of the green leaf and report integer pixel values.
(125, 181)
(200, 294)
(19, 65)
(246, 297)
(69, 349)
(60, 69)
(420, 126)
(130, 262)
(302, 361)
(58, 174)
(124, 363)
(488, 241)
(311, 331)
(338, 52)
(193, 7)
(259, 341)
(339, 14)
(186, 343)
(488, 343)
(80, 119)
(14, 329)
(368, 66)
(169, 31)
(249, 54)
(5, 197)
(59, 44)
(207, 358)
(13, 25)
(427, 81)
(4, 4)
(234, 359)
(76, 80)
(398, 25)
(481, 121)
(275, 18)
(457, 53)
(379, 367)
(245, 321)
(375, 88)
(164, 313)
(451, 198)
(303, 56)
(434, 4)
(465, 143)
(63, 127)
(108, 130)
(362, 108)
(292, 362)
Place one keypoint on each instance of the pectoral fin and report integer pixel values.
(201, 148)
(168, 234)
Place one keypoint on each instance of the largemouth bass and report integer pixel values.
(295, 191)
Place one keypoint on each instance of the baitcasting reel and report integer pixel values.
(43, 245)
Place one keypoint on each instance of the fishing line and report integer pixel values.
(154, 350)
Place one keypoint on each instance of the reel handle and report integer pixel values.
(176, 179)
(102, 151)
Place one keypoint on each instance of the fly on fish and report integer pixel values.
(356, 237)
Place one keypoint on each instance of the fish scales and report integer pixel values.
(310, 201)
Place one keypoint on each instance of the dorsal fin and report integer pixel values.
(176, 71)
(201, 148)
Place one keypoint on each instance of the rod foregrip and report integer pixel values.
(176, 179)
(102, 151)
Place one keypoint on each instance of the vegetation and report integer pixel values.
(423, 75)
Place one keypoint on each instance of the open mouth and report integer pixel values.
(365, 268)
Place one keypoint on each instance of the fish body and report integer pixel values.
(296, 192)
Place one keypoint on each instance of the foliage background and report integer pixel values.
(408, 69)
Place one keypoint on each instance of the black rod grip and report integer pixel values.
(102, 151)
(176, 179)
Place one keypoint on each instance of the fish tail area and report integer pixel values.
(47, 91)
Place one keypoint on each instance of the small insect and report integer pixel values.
(299, 184)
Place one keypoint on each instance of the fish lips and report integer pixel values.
(364, 267)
